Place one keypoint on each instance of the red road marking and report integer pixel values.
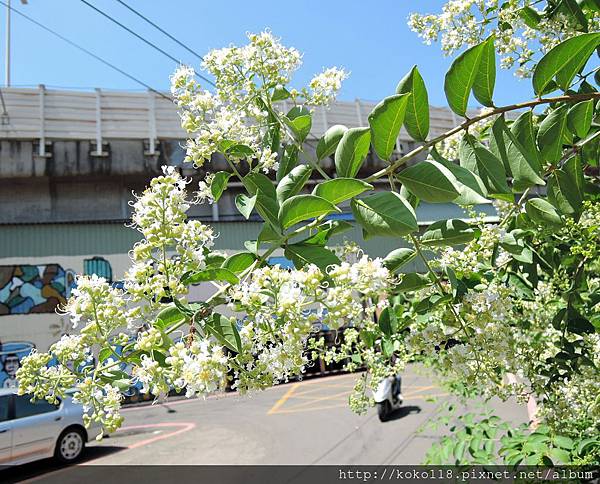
(185, 427)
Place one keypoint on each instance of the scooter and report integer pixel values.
(388, 396)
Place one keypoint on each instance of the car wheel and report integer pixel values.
(70, 445)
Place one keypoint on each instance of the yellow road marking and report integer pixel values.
(320, 389)
(312, 399)
(419, 389)
(320, 399)
(283, 399)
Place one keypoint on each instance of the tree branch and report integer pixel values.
(457, 129)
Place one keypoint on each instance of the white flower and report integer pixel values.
(325, 86)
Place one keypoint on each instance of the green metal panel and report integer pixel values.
(41, 240)
(74, 239)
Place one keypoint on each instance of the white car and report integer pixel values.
(36, 430)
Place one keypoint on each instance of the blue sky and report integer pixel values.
(370, 39)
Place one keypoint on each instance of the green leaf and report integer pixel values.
(329, 141)
(302, 254)
(267, 234)
(234, 149)
(413, 281)
(385, 121)
(430, 181)
(339, 189)
(106, 352)
(449, 232)
(573, 167)
(489, 167)
(239, 262)
(293, 182)
(385, 214)
(168, 317)
(460, 78)
(299, 120)
(573, 10)
(397, 258)
(219, 184)
(559, 456)
(410, 197)
(279, 94)
(218, 274)
(563, 62)
(289, 159)
(542, 212)
(303, 207)
(327, 230)
(245, 204)
(525, 170)
(551, 133)
(579, 118)
(470, 187)
(564, 193)
(387, 321)
(266, 197)
(351, 151)
(257, 181)
(225, 331)
(214, 259)
(563, 442)
(485, 78)
(416, 118)
(525, 133)
(530, 16)
(123, 384)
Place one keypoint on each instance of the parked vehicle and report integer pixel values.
(388, 396)
(36, 430)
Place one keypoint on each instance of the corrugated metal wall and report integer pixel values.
(74, 239)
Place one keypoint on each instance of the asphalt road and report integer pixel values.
(303, 423)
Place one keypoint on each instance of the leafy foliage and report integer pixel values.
(514, 298)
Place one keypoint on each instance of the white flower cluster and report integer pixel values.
(160, 215)
(240, 112)
(477, 350)
(72, 348)
(200, 368)
(477, 254)
(42, 381)
(96, 302)
(283, 306)
(325, 86)
(467, 22)
(172, 246)
(101, 403)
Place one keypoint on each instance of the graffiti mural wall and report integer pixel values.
(36, 291)
(26, 289)
(10, 360)
(32, 292)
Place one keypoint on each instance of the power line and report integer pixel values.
(146, 41)
(83, 49)
(161, 30)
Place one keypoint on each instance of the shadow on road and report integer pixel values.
(403, 412)
(37, 469)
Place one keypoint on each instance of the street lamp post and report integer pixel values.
(7, 57)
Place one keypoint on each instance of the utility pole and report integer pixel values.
(7, 56)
